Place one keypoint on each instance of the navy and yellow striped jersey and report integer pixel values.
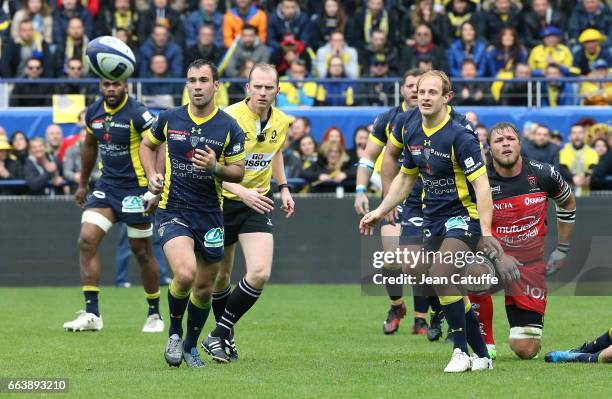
(119, 132)
(186, 188)
(382, 129)
(448, 158)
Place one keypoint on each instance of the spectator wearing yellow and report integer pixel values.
(40, 13)
(296, 92)
(336, 93)
(592, 49)
(578, 159)
(337, 47)
(594, 92)
(551, 51)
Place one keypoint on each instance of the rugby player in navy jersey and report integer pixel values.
(456, 217)
(389, 169)
(115, 125)
(406, 219)
(204, 147)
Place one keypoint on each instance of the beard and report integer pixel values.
(506, 162)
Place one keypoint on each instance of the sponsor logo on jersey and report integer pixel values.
(257, 161)
(177, 137)
(196, 130)
(118, 124)
(427, 153)
(500, 206)
(536, 165)
(469, 162)
(214, 238)
(532, 201)
(161, 231)
(194, 140)
(97, 125)
(107, 137)
(273, 136)
(132, 204)
(519, 226)
(416, 221)
(99, 194)
(147, 116)
(237, 147)
(456, 222)
(495, 189)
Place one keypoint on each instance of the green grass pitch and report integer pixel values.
(299, 341)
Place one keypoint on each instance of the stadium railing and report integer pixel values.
(533, 92)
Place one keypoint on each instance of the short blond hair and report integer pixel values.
(446, 83)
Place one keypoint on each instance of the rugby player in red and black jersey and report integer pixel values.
(521, 188)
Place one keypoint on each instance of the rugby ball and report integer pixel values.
(110, 58)
(479, 275)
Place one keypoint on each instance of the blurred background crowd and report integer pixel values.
(319, 39)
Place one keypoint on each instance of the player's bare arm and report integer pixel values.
(364, 172)
(89, 154)
(484, 204)
(148, 159)
(566, 216)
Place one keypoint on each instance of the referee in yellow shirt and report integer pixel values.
(247, 206)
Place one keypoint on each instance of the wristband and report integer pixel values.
(148, 196)
(284, 185)
(360, 189)
(365, 163)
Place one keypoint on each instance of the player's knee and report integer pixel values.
(525, 348)
(202, 292)
(184, 277)
(259, 276)
(222, 280)
(141, 253)
(606, 355)
(86, 241)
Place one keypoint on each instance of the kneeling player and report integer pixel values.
(115, 125)
(521, 188)
(597, 351)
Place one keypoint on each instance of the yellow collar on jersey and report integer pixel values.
(430, 131)
(113, 111)
(198, 120)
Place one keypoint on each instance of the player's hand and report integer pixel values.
(491, 247)
(150, 202)
(392, 216)
(507, 269)
(254, 199)
(368, 223)
(288, 205)
(556, 260)
(362, 204)
(205, 159)
(79, 196)
(156, 183)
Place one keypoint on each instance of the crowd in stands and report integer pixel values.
(52, 165)
(320, 39)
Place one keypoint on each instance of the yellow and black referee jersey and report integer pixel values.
(261, 143)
